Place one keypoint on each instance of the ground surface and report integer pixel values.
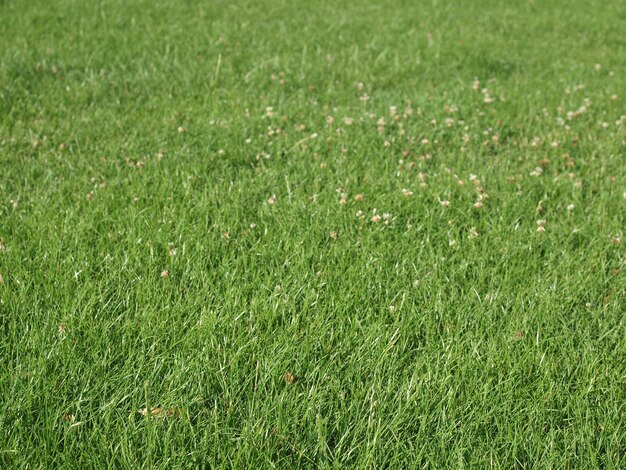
(342, 234)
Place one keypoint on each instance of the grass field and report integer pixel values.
(312, 234)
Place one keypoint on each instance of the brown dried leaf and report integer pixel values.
(290, 378)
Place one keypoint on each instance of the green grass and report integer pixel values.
(437, 337)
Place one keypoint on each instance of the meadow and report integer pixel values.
(291, 234)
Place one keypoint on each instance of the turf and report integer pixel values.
(312, 234)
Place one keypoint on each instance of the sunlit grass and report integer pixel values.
(282, 234)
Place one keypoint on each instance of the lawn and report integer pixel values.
(312, 234)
